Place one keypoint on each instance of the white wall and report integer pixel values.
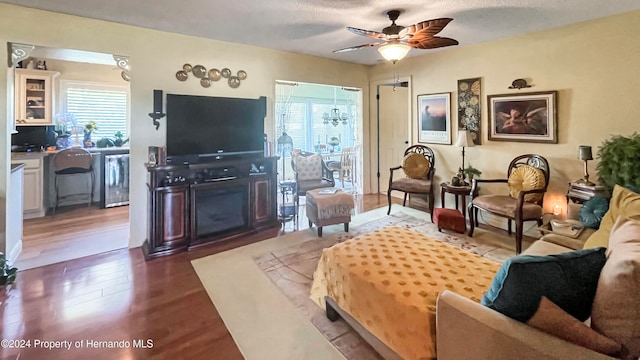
(593, 65)
(155, 57)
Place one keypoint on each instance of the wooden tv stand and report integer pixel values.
(199, 204)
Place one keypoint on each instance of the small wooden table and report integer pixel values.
(456, 191)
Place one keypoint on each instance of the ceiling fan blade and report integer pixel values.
(357, 47)
(368, 33)
(430, 42)
(428, 27)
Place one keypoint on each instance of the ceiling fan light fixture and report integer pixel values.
(394, 51)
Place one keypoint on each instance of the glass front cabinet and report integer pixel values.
(34, 92)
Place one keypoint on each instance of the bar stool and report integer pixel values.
(73, 162)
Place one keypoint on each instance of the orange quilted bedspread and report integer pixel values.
(389, 280)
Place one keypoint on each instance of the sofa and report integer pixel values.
(488, 334)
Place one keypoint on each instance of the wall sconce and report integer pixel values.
(584, 154)
(157, 108)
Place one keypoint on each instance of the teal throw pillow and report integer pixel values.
(568, 279)
(593, 210)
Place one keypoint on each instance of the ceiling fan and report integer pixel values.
(398, 40)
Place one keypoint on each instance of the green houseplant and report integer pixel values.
(8, 273)
(470, 171)
(619, 161)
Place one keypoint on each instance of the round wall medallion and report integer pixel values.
(187, 67)
(214, 74)
(205, 82)
(199, 71)
(233, 81)
(242, 74)
(226, 73)
(182, 75)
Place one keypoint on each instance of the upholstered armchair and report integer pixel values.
(419, 167)
(527, 180)
(311, 173)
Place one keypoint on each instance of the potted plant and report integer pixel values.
(119, 141)
(470, 171)
(89, 127)
(619, 161)
(7, 272)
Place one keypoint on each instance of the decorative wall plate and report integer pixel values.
(226, 72)
(199, 71)
(242, 74)
(182, 75)
(205, 82)
(187, 67)
(233, 81)
(214, 74)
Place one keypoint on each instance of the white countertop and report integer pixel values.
(43, 154)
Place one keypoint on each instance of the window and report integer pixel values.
(105, 104)
(305, 125)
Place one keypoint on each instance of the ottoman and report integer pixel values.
(449, 219)
(328, 206)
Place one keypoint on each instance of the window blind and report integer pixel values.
(104, 104)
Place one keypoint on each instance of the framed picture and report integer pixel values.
(469, 107)
(434, 118)
(529, 117)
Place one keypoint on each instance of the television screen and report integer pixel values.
(209, 126)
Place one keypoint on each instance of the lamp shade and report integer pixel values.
(464, 139)
(584, 152)
(394, 51)
(285, 143)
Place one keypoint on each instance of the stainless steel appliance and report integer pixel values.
(116, 180)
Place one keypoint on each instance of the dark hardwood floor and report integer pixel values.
(117, 296)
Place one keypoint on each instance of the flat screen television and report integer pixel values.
(202, 127)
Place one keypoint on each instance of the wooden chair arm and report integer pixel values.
(475, 182)
(391, 170)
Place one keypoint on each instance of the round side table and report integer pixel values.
(457, 191)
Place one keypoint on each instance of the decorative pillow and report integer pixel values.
(624, 202)
(415, 165)
(616, 306)
(568, 279)
(309, 167)
(593, 210)
(525, 178)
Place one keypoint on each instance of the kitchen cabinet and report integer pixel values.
(32, 185)
(34, 96)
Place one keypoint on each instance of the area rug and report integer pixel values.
(261, 290)
(291, 270)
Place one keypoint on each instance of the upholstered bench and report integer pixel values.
(449, 219)
(328, 206)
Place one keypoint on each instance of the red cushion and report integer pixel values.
(449, 219)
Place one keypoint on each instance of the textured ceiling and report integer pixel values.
(317, 27)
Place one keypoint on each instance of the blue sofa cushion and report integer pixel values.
(593, 210)
(568, 279)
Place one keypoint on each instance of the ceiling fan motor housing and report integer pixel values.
(393, 29)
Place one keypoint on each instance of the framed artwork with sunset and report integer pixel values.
(434, 118)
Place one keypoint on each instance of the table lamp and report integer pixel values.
(464, 140)
(584, 154)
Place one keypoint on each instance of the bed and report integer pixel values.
(385, 285)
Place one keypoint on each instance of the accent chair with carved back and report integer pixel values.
(527, 180)
(419, 167)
